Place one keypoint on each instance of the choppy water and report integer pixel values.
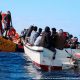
(14, 66)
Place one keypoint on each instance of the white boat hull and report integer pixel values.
(44, 58)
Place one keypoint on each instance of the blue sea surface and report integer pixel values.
(16, 66)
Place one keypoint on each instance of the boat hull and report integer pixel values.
(9, 46)
(47, 67)
(43, 59)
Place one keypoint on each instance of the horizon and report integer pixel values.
(61, 14)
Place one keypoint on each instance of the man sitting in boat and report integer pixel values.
(60, 41)
(39, 32)
(54, 36)
(46, 38)
(28, 34)
(38, 40)
(33, 36)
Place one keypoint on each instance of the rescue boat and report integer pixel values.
(43, 58)
(7, 45)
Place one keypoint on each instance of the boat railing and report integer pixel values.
(34, 48)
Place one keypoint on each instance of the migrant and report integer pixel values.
(45, 40)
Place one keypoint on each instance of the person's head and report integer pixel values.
(8, 12)
(24, 29)
(40, 30)
(47, 29)
(70, 36)
(60, 31)
(31, 27)
(53, 29)
(35, 28)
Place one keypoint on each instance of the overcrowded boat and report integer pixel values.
(49, 57)
(48, 50)
(43, 58)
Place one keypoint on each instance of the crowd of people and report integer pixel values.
(50, 39)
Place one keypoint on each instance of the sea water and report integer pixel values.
(16, 66)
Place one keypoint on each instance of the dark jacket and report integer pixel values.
(60, 42)
(7, 18)
(45, 40)
(29, 31)
(54, 39)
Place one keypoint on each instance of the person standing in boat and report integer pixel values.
(54, 35)
(0, 23)
(33, 36)
(46, 38)
(29, 31)
(38, 40)
(39, 32)
(60, 41)
(8, 21)
(23, 33)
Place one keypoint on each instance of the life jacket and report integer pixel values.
(16, 38)
(65, 34)
(11, 32)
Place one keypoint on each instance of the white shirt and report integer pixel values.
(37, 42)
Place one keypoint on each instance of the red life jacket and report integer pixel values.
(16, 38)
(12, 32)
(65, 34)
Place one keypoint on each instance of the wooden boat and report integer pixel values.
(43, 58)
